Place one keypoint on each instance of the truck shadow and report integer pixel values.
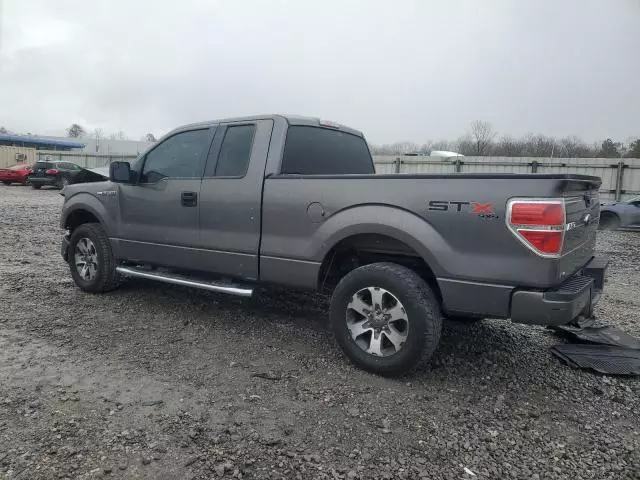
(466, 350)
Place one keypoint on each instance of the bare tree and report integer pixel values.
(482, 134)
(3, 131)
(97, 134)
(119, 135)
(443, 145)
(402, 148)
(574, 147)
(76, 131)
(465, 145)
(150, 137)
(508, 147)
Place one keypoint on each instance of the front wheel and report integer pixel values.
(6, 183)
(91, 260)
(35, 186)
(386, 318)
(63, 182)
(609, 221)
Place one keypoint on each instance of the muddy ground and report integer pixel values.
(161, 382)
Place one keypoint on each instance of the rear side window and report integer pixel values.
(235, 151)
(322, 151)
(43, 165)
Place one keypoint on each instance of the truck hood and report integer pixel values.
(103, 171)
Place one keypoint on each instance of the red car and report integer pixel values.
(16, 174)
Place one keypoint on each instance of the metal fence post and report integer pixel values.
(534, 166)
(397, 162)
(458, 164)
(619, 178)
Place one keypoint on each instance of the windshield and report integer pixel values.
(43, 165)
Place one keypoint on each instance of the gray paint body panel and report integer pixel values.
(261, 228)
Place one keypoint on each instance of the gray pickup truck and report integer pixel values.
(232, 204)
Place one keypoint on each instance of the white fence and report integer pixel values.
(620, 177)
(84, 159)
(9, 156)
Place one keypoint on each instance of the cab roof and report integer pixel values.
(290, 119)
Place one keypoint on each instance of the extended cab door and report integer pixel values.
(231, 198)
(159, 213)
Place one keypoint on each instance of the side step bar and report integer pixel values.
(177, 279)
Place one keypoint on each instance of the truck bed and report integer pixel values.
(464, 248)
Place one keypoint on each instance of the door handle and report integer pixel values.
(189, 199)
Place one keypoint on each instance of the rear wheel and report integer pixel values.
(6, 183)
(91, 260)
(385, 318)
(35, 186)
(609, 221)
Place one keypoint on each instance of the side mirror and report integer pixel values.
(120, 172)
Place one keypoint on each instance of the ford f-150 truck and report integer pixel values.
(232, 204)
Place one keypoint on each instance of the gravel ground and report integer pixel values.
(161, 382)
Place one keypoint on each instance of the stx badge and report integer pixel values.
(484, 210)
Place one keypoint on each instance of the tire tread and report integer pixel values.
(108, 276)
(416, 292)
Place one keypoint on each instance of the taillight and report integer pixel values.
(539, 224)
(51, 171)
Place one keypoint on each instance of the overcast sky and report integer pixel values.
(397, 70)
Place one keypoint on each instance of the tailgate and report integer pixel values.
(40, 168)
(582, 206)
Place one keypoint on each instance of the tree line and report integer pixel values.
(78, 131)
(481, 140)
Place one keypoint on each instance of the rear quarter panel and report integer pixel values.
(457, 243)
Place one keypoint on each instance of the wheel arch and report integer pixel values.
(83, 208)
(380, 233)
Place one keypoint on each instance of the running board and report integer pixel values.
(177, 279)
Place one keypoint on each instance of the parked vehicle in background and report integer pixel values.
(231, 204)
(16, 174)
(620, 214)
(60, 174)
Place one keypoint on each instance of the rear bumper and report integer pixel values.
(576, 296)
(43, 180)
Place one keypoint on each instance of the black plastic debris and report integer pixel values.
(605, 359)
(603, 335)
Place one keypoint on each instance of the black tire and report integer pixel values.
(106, 277)
(6, 183)
(35, 186)
(420, 304)
(609, 221)
(62, 182)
